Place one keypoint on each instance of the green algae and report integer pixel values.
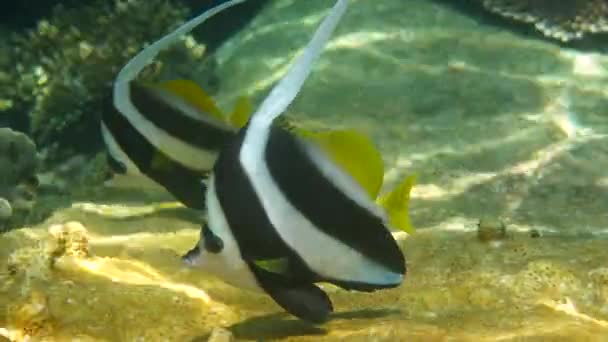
(57, 77)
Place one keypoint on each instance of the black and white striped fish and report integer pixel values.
(283, 215)
(170, 132)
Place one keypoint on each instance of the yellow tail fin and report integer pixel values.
(396, 204)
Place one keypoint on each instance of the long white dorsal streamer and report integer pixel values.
(287, 89)
(147, 55)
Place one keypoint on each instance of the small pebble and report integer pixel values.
(491, 229)
(6, 210)
(221, 335)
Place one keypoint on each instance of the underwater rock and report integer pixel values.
(68, 239)
(65, 173)
(18, 159)
(562, 20)
(493, 292)
(221, 335)
(75, 174)
(491, 229)
(18, 180)
(37, 262)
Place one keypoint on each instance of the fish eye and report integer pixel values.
(212, 242)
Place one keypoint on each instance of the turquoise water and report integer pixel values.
(496, 125)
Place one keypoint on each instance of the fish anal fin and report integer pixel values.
(396, 204)
(306, 301)
(303, 300)
(354, 152)
(194, 95)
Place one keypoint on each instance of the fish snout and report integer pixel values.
(192, 257)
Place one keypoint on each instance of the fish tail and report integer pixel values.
(396, 204)
(286, 90)
(145, 57)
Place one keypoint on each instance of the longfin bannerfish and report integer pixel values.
(174, 125)
(172, 134)
(131, 151)
(286, 212)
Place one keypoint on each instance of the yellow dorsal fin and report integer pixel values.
(354, 152)
(396, 204)
(242, 111)
(194, 95)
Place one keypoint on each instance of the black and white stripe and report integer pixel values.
(283, 205)
(153, 122)
(177, 129)
(128, 147)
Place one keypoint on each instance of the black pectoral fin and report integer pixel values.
(305, 301)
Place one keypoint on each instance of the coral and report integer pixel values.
(18, 159)
(60, 74)
(18, 182)
(599, 278)
(30, 318)
(6, 210)
(80, 173)
(68, 239)
(562, 20)
(37, 262)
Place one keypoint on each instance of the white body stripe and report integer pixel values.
(324, 254)
(187, 155)
(190, 156)
(117, 153)
(228, 264)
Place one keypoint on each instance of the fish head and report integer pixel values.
(207, 253)
(209, 257)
